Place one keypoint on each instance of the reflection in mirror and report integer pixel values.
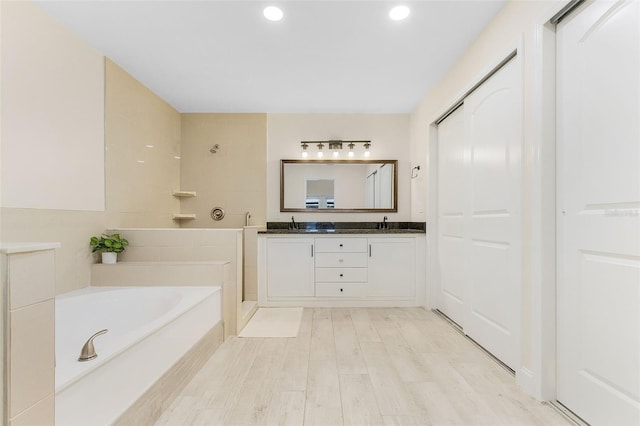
(338, 185)
(319, 194)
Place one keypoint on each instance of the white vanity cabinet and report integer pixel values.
(392, 267)
(341, 267)
(290, 271)
(341, 270)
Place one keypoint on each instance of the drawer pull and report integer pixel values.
(341, 290)
(341, 245)
(341, 275)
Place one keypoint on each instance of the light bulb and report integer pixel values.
(320, 154)
(367, 153)
(305, 154)
(399, 13)
(273, 13)
(350, 153)
(336, 153)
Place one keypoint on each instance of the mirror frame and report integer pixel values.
(363, 210)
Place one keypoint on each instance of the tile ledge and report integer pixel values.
(11, 248)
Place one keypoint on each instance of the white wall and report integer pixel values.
(52, 114)
(389, 135)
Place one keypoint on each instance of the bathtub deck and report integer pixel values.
(355, 367)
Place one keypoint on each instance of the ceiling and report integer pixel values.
(323, 56)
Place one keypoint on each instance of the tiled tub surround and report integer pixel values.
(28, 279)
(171, 273)
(191, 245)
(157, 339)
(345, 228)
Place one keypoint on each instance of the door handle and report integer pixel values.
(311, 250)
(369, 250)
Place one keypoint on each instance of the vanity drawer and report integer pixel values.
(336, 275)
(341, 260)
(341, 245)
(340, 290)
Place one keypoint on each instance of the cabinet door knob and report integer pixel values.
(341, 245)
(341, 290)
(341, 275)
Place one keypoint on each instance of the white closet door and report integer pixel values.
(493, 137)
(598, 84)
(479, 237)
(451, 209)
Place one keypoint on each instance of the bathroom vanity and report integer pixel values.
(341, 267)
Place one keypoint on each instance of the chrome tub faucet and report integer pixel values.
(88, 351)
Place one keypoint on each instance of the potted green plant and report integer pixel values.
(109, 245)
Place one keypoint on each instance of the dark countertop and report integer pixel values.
(331, 228)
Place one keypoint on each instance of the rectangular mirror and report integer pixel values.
(338, 186)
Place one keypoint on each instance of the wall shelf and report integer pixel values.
(184, 216)
(184, 193)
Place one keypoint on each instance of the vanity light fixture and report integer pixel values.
(273, 13)
(398, 13)
(335, 146)
(367, 153)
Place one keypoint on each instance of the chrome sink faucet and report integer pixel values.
(293, 224)
(384, 224)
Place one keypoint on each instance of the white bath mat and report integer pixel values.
(273, 322)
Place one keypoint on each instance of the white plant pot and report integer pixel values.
(109, 258)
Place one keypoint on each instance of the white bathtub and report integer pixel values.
(150, 328)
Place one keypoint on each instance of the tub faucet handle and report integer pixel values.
(88, 351)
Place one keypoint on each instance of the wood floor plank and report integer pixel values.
(429, 397)
(359, 405)
(294, 373)
(323, 405)
(348, 354)
(286, 409)
(391, 394)
(365, 330)
(357, 366)
(322, 340)
(464, 399)
(253, 399)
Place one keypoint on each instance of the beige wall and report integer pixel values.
(233, 178)
(389, 135)
(515, 26)
(138, 194)
(52, 114)
(142, 138)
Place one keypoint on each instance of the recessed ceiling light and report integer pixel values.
(399, 13)
(273, 13)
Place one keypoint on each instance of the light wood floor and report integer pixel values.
(357, 366)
